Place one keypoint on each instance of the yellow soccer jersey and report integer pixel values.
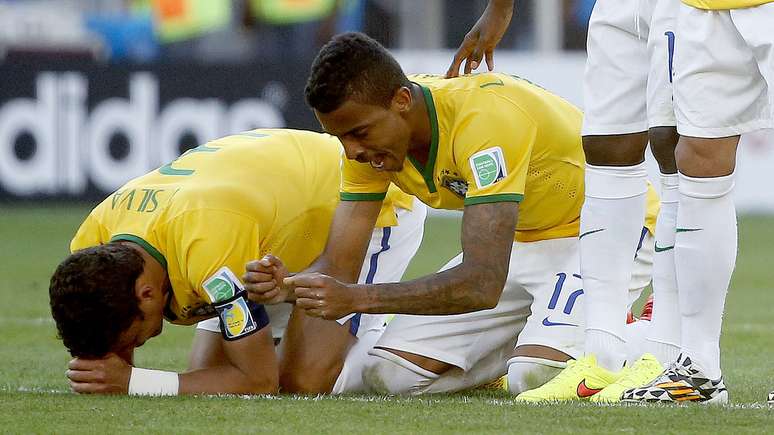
(495, 138)
(725, 4)
(224, 203)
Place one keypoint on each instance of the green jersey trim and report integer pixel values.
(498, 197)
(427, 171)
(346, 196)
(144, 245)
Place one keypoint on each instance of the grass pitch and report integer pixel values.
(34, 396)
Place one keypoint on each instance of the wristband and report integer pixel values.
(144, 382)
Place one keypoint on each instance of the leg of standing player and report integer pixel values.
(724, 62)
(615, 138)
(663, 340)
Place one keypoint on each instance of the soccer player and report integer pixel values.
(505, 151)
(628, 99)
(724, 59)
(173, 243)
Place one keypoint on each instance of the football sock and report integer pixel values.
(664, 332)
(705, 255)
(611, 223)
(527, 373)
(388, 373)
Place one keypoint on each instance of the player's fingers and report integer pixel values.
(263, 298)
(256, 266)
(309, 303)
(86, 387)
(84, 376)
(256, 277)
(82, 364)
(260, 287)
(459, 56)
(270, 260)
(490, 59)
(314, 312)
(305, 280)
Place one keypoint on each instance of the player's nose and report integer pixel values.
(355, 151)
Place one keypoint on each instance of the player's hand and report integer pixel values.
(323, 296)
(482, 38)
(264, 280)
(108, 375)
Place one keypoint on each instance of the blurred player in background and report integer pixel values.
(724, 69)
(506, 152)
(173, 243)
(628, 103)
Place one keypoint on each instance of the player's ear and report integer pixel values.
(401, 100)
(145, 292)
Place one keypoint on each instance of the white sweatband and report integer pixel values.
(144, 382)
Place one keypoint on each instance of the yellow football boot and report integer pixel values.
(636, 375)
(581, 379)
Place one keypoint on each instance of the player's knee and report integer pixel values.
(663, 141)
(615, 150)
(529, 373)
(387, 373)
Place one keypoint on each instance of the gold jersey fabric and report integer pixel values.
(225, 203)
(495, 138)
(725, 4)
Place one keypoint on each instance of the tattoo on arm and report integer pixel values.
(475, 284)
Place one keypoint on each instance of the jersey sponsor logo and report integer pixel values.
(236, 319)
(584, 391)
(223, 285)
(686, 230)
(488, 166)
(456, 185)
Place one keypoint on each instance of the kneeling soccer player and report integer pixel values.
(173, 243)
(506, 152)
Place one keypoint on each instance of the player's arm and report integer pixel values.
(245, 366)
(483, 37)
(475, 284)
(353, 223)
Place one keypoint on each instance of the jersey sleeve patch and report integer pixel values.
(488, 166)
(236, 318)
(223, 285)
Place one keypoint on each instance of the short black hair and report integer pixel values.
(93, 299)
(352, 65)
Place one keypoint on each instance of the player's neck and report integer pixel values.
(153, 268)
(421, 136)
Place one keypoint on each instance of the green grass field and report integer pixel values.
(34, 396)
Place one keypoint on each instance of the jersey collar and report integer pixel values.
(427, 171)
(153, 252)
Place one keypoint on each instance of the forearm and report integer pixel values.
(457, 290)
(226, 380)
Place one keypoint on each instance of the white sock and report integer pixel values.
(527, 373)
(611, 224)
(705, 255)
(636, 334)
(664, 332)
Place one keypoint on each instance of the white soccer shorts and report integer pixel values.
(724, 71)
(627, 85)
(541, 304)
(389, 253)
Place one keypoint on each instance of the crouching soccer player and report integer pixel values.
(173, 243)
(506, 152)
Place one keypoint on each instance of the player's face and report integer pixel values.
(370, 133)
(147, 325)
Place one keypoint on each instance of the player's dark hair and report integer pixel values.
(93, 299)
(353, 66)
